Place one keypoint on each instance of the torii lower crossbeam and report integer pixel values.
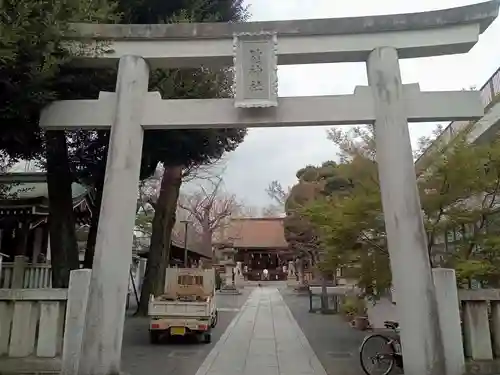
(386, 104)
(358, 108)
(128, 115)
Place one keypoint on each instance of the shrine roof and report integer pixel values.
(31, 189)
(483, 13)
(194, 242)
(255, 233)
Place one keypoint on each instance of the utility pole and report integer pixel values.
(186, 225)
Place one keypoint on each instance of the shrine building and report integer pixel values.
(259, 244)
(24, 211)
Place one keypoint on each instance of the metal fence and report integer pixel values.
(488, 92)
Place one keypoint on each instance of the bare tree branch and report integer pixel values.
(204, 172)
(209, 207)
(276, 192)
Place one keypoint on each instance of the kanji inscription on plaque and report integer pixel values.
(255, 70)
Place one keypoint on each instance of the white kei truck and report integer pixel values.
(187, 306)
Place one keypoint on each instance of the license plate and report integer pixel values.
(178, 331)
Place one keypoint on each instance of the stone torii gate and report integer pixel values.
(255, 49)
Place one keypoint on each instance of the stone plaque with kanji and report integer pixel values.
(255, 70)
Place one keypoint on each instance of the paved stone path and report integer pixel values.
(263, 339)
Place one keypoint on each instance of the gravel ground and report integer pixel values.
(335, 343)
(180, 356)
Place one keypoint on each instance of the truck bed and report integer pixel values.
(179, 308)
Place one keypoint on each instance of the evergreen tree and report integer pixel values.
(34, 72)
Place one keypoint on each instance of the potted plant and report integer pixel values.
(348, 308)
(361, 323)
(354, 310)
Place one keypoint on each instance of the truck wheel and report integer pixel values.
(207, 338)
(154, 337)
(215, 319)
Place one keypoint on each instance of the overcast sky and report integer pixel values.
(277, 153)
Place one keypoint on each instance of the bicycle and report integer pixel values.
(390, 353)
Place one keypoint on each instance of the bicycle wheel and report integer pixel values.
(376, 355)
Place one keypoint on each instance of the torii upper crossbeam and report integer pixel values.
(378, 40)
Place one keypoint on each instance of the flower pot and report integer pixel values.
(361, 323)
(348, 317)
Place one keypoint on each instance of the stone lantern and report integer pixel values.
(229, 264)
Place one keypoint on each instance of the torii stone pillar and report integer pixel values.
(407, 240)
(386, 104)
(367, 104)
(109, 283)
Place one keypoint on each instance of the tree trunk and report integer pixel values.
(63, 244)
(324, 282)
(207, 243)
(206, 238)
(99, 188)
(300, 271)
(159, 250)
(335, 297)
(324, 294)
(94, 225)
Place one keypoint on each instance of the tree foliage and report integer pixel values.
(459, 197)
(301, 234)
(176, 149)
(32, 64)
(460, 201)
(159, 11)
(34, 72)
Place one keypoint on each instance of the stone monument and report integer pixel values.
(291, 279)
(239, 269)
(291, 270)
(252, 48)
(230, 271)
(229, 286)
(239, 277)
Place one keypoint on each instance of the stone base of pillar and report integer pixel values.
(292, 281)
(229, 289)
(315, 282)
(301, 289)
(239, 282)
